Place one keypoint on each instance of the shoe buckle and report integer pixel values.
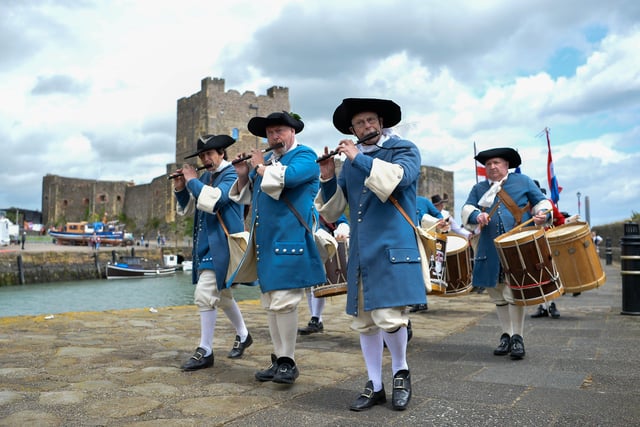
(197, 355)
(368, 393)
(399, 383)
(236, 344)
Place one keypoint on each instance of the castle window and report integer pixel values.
(102, 198)
(65, 203)
(118, 198)
(85, 202)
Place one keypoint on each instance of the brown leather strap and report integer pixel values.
(295, 212)
(515, 210)
(224, 227)
(404, 214)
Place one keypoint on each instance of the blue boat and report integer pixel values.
(82, 233)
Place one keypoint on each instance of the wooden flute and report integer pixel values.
(233, 162)
(334, 152)
(248, 156)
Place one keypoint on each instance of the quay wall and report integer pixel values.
(30, 267)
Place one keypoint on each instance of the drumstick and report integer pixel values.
(517, 227)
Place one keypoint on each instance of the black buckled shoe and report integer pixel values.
(401, 394)
(542, 312)
(369, 398)
(268, 374)
(314, 325)
(517, 347)
(287, 371)
(239, 347)
(505, 345)
(198, 360)
(553, 311)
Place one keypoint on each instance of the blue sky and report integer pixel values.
(86, 84)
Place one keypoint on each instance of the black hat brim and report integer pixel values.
(258, 125)
(387, 109)
(509, 154)
(212, 142)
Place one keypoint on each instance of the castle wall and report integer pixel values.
(72, 199)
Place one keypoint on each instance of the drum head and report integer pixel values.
(566, 230)
(455, 243)
(510, 237)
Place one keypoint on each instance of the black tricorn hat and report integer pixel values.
(258, 125)
(387, 109)
(211, 142)
(509, 154)
(436, 199)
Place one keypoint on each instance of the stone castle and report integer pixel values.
(210, 111)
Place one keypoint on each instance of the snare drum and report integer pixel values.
(458, 266)
(576, 257)
(525, 256)
(336, 268)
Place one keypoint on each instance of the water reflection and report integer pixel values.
(100, 295)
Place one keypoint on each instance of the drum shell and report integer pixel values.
(576, 257)
(529, 269)
(336, 269)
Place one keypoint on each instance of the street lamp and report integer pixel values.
(578, 194)
(255, 107)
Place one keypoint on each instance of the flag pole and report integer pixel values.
(475, 166)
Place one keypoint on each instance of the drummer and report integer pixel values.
(439, 203)
(484, 207)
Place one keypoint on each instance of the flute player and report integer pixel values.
(281, 188)
(207, 199)
(384, 273)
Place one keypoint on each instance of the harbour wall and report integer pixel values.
(28, 267)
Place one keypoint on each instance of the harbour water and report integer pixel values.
(101, 295)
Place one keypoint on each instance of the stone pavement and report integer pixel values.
(121, 368)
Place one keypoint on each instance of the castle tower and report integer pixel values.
(214, 111)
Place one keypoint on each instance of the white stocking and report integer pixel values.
(397, 345)
(207, 329)
(235, 316)
(517, 318)
(372, 347)
(288, 329)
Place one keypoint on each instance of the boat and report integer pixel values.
(131, 267)
(187, 265)
(83, 233)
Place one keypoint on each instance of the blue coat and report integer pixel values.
(286, 253)
(209, 239)
(382, 244)
(521, 189)
(426, 206)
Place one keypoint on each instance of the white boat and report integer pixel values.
(187, 265)
(131, 267)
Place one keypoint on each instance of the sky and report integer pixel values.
(89, 89)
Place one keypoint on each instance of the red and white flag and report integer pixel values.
(480, 169)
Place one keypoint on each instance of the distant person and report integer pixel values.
(340, 230)
(596, 240)
(429, 217)
(439, 203)
(23, 238)
(207, 198)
